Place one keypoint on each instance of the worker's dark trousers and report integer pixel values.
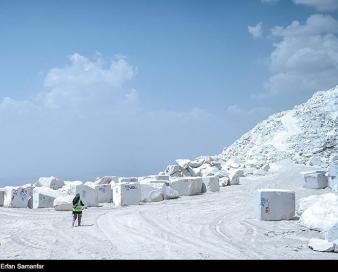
(78, 216)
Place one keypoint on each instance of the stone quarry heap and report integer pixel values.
(306, 134)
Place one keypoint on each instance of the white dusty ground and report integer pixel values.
(209, 226)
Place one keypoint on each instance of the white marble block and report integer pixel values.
(275, 204)
(43, 197)
(210, 184)
(126, 193)
(187, 186)
(104, 193)
(315, 180)
(2, 197)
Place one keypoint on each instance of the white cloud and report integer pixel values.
(257, 30)
(83, 72)
(85, 80)
(305, 56)
(316, 24)
(321, 5)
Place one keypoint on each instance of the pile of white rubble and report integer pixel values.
(228, 172)
(320, 212)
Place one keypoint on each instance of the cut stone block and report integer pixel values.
(332, 234)
(187, 186)
(234, 176)
(64, 203)
(17, 197)
(209, 170)
(170, 193)
(73, 182)
(88, 194)
(191, 171)
(104, 193)
(43, 197)
(198, 170)
(156, 178)
(184, 163)
(224, 181)
(30, 203)
(126, 193)
(186, 173)
(173, 170)
(315, 180)
(275, 204)
(222, 174)
(50, 182)
(157, 181)
(152, 192)
(176, 175)
(333, 183)
(128, 179)
(321, 245)
(2, 197)
(335, 246)
(210, 184)
(162, 177)
(196, 163)
(332, 170)
(91, 184)
(106, 180)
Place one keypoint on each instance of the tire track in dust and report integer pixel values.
(251, 232)
(163, 235)
(26, 242)
(287, 234)
(67, 238)
(139, 235)
(196, 244)
(102, 230)
(216, 228)
(27, 213)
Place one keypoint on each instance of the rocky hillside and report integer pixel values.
(306, 134)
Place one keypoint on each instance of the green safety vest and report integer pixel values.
(77, 207)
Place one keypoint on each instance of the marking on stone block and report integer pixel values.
(264, 201)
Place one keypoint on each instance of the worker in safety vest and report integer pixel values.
(77, 209)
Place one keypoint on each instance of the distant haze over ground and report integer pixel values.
(126, 87)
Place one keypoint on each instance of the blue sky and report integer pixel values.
(91, 88)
